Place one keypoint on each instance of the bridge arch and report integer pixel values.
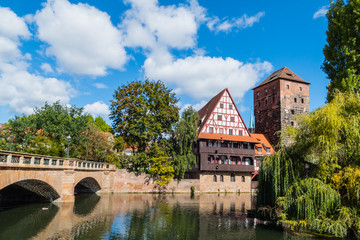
(25, 191)
(87, 185)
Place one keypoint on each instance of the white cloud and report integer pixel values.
(214, 24)
(321, 12)
(100, 85)
(81, 37)
(19, 89)
(203, 77)
(23, 91)
(46, 68)
(148, 25)
(97, 108)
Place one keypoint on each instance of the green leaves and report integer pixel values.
(142, 112)
(342, 52)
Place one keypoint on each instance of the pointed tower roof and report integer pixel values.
(283, 73)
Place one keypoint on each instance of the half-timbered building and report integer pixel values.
(225, 149)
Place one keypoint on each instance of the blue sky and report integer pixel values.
(79, 52)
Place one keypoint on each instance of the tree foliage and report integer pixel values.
(327, 142)
(342, 52)
(102, 125)
(184, 139)
(142, 112)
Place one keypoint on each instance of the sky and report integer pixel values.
(80, 52)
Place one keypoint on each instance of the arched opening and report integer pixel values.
(27, 191)
(87, 185)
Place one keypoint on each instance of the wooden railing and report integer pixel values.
(25, 160)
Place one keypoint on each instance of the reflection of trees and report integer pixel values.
(26, 222)
(163, 221)
(85, 204)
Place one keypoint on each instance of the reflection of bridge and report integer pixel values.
(29, 177)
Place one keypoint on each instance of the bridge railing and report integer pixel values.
(25, 160)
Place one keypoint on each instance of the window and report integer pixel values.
(265, 102)
(259, 104)
(221, 105)
(240, 132)
(273, 99)
(221, 178)
(274, 87)
(232, 177)
(245, 145)
(214, 178)
(268, 150)
(292, 123)
(221, 131)
(211, 130)
(219, 117)
(230, 132)
(232, 119)
(294, 99)
(287, 86)
(302, 100)
(265, 90)
(259, 150)
(300, 89)
(292, 111)
(230, 106)
(209, 144)
(257, 94)
(243, 178)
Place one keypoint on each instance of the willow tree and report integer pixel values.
(342, 52)
(184, 139)
(325, 149)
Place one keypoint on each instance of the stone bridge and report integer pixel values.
(29, 177)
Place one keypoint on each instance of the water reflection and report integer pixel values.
(138, 216)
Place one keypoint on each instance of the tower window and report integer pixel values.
(265, 90)
(219, 117)
(273, 99)
(274, 87)
(287, 86)
(302, 100)
(257, 94)
(300, 89)
(292, 111)
(232, 119)
(221, 105)
(294, 99)
(265, 102)
(243, 178)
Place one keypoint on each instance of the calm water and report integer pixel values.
(138, 216)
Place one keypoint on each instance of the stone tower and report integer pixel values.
(277, 100)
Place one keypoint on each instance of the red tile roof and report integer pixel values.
(264, 143)
(283, 73)
(227, 137)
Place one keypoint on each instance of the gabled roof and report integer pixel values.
(283, 73)
(208, 108)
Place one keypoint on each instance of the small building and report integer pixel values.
(277, 100)
(225, 149)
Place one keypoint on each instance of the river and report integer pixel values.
(139, 216)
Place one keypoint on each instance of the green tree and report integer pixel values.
(184, 138)
(342, 52)
(142, 112)
(317, 175)
(49, 125)
(102, 125)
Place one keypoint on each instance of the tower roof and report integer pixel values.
(283, 73)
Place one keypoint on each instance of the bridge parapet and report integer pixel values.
(26, 160)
